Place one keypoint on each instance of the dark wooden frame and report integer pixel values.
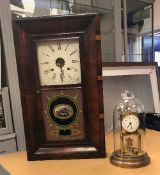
(87, 28)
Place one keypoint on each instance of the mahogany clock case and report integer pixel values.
(85, 98)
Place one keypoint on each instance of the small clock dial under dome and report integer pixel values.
(130, 123)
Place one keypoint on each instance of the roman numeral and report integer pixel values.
(69, 76)
(66, 46)
(73, 52)
(51, 48)
(54, 76)
(47, 71)
(59, 45)
(46, 55)
(74, 61)
(45, 63)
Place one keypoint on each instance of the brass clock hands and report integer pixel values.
(130, 124)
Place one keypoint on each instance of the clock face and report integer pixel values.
(130, 123)
(59, 62)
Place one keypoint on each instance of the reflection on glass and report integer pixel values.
(139, 27)
(2, 117)
(29, 8)
(147, 48)
(34, 8)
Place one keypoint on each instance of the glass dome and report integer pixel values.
(129, 132)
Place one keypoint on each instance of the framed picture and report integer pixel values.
(140, 78)
(5, 112)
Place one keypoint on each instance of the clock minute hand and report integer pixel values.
(60, 63)
(62, 74)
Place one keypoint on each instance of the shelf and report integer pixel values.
(57, 8)
(81, 8)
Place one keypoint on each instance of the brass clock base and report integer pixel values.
(134, 162)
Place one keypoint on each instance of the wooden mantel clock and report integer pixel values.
(60, 76)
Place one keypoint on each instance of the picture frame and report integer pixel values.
(138, 77)
(5, 112)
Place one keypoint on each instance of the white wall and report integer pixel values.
(110, 28)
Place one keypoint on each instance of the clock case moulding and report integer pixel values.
(87, 29)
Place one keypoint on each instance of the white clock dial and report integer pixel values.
(59, 62)
(130, 123)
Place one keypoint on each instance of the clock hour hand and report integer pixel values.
(130, 124)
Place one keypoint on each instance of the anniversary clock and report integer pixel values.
(129, 132)
(60, 76)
